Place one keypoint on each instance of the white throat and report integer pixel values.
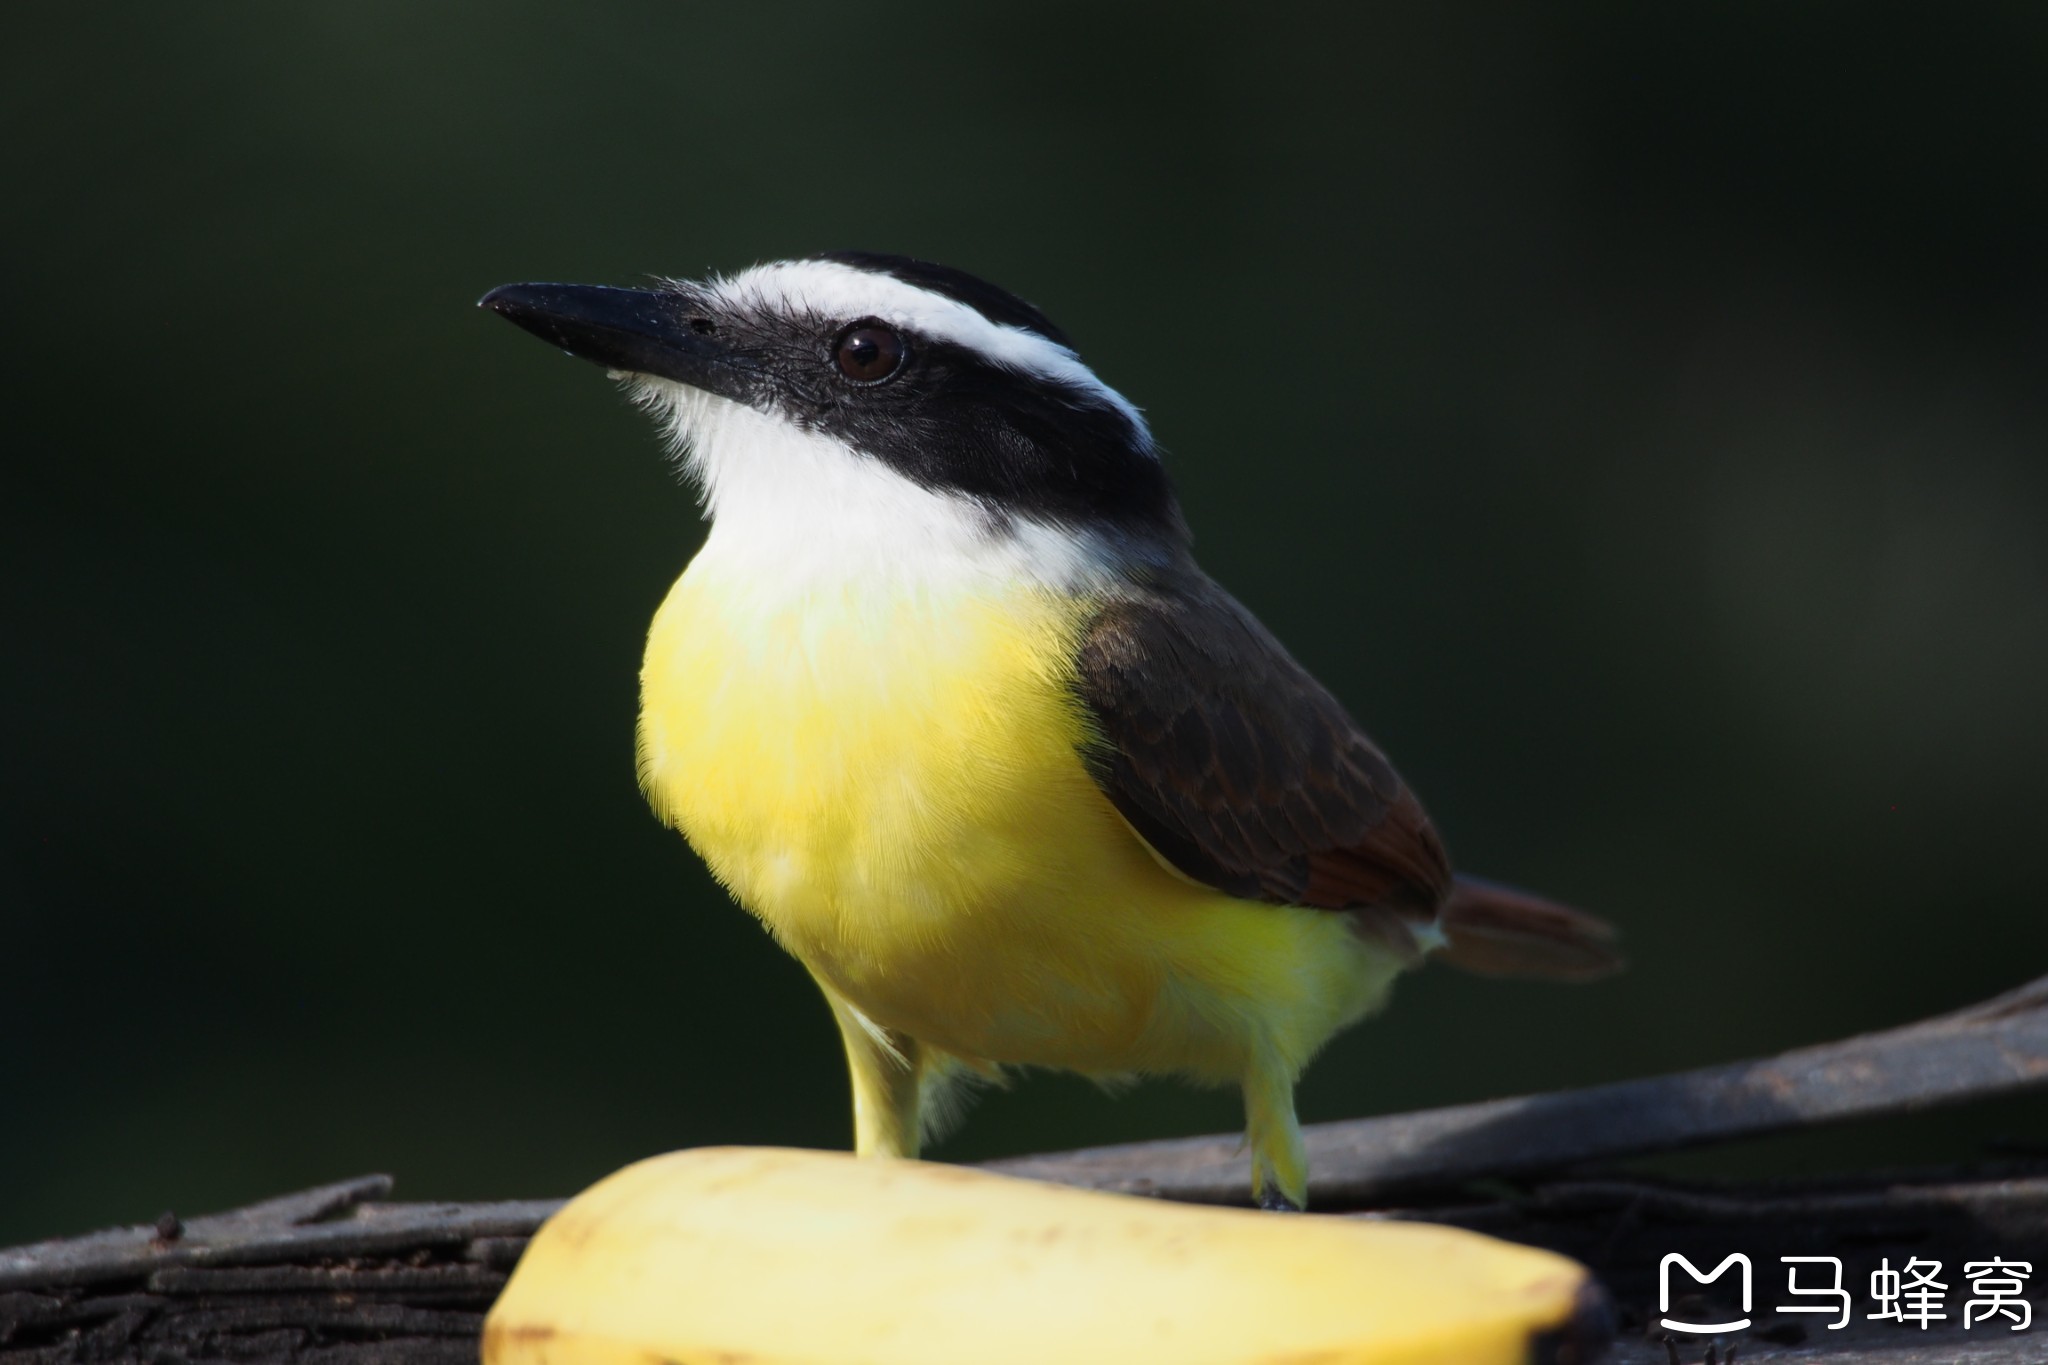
(796, 512)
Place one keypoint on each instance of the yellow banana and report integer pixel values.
(777, 1257)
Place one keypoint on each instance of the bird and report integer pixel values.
(945, 701)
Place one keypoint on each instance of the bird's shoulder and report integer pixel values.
(1238, 768)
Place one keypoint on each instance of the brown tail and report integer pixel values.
(1495, 930)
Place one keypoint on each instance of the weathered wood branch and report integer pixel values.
(324, 1275)
(1995, 1048)
(332, 1223)
(339, 1277)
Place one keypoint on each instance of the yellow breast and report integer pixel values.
(890, 777)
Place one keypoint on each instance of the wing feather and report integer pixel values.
(1239, 769)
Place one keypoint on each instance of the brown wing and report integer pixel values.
(1239, 769)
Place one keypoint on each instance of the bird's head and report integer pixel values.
(916, 398)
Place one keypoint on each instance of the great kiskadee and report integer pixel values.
(946, 702)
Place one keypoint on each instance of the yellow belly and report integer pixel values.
(890, 779)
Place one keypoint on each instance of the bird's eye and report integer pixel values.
(868, 352)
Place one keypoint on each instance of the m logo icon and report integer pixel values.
(1664, 1292)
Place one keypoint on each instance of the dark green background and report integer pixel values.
(1635, 412)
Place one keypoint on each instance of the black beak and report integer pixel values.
(662, 333)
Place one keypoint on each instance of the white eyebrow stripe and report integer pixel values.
(833, 289)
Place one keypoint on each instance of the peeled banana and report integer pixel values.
(766, 1256)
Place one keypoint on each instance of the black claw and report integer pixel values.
(1273, 1199)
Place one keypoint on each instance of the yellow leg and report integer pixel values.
(884, 1066)
(1279, 1161)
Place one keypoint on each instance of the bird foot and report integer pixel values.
(1278, 1202)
